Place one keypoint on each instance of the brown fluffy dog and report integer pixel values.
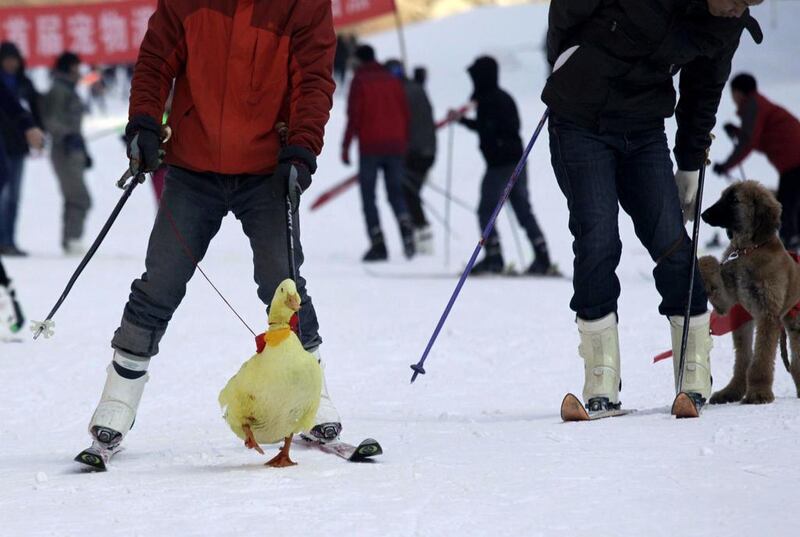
(758, 273)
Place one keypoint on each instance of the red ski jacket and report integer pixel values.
(377, 112)
(770, 129)
(240, 67)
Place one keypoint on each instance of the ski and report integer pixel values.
(97, 456)
(685, 406)
(363, 452)
(572, 409)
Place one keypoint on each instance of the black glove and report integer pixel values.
(89, 161)
(295, 166)
(73, 143)
(731, 130)
(143, 137)
(719, 169)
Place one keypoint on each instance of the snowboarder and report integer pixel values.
(772, 130)
(497, 124)
(609, 96)
(12, 74)
(63, 114)
(377, 114)
(421, 152)
(225, 156)
(11, 318)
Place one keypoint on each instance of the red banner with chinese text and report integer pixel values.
(111, 32)
(347, 12)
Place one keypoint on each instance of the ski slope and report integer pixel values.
(473, 448)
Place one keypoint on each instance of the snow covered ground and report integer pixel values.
(475, 447)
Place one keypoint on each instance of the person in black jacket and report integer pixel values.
(497, 124)
(12, 75)
(11, 319)
(609, 94)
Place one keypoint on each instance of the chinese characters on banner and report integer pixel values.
(352, 11)
(100, 33)
(111, 32)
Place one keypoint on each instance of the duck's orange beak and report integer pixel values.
(293, 302)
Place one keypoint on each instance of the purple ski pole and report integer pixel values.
(418, 367)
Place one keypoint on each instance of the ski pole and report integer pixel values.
(741, 172)
(693, 265)
(283, 133)
(46, 327)
(418, 367)
(517, 242)
(448, 196)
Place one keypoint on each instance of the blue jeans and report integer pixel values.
(9, 199)
(599, 172)
(194, 204)
(494, 183)
(394, 171)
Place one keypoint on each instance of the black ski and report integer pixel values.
(363, 452)
(97, 456)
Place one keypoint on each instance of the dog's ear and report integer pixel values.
(766, 214)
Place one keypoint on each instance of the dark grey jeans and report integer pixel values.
(194, 204)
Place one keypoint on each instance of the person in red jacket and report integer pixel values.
(377, 114)
(240, 68)
(772, 130)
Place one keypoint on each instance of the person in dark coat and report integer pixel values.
(11, 318)
(609, 95)
(774, 131)
(497, 124)
(420, 155)
(377, 114)
(12, 75)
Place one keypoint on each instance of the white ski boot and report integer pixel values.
(697, 368)
(328, 423)
(116, 411)
(599, 349)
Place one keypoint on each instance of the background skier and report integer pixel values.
(63, 115)
(497, 124)
(421, 152)
(772, 130)
(377, 114)
(225, 156)
(12, 75)
(608, 98)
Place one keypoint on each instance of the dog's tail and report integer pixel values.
(785, 351)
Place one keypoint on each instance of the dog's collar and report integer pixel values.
(741, 252)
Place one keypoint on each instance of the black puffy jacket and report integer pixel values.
(620, 79)
(497, 119)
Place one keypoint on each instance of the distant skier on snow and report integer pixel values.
(225, 156)
(608, 98)
(497, 124)
(421, 152)
(377, 114)
(774, 131)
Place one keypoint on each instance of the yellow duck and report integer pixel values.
(276, 393)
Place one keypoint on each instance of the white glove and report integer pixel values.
(687, 192)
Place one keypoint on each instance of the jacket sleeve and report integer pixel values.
(161, 56)
(12, 109)
(312, 48)
(563, 17)
(701, 85)
(747, 136)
